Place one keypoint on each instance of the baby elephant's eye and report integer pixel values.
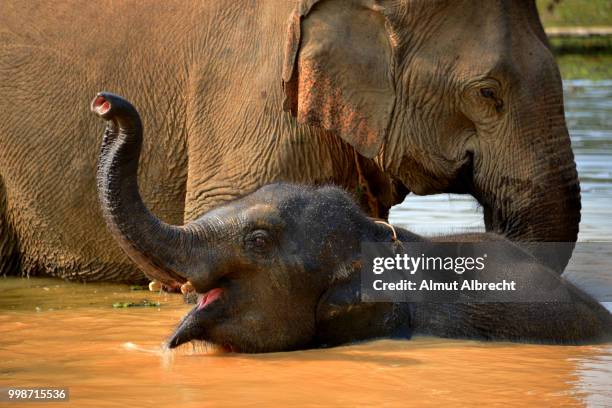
(258, 240)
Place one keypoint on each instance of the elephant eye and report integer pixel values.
(258, 240)
(487, 92)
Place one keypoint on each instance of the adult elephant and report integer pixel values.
(442, 96)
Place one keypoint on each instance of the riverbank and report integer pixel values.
(582, 66)
(575, 13)
(580, 33)
(580, 40)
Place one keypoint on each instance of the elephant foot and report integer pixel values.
(189, 293)
(190, 296)
(187, 288)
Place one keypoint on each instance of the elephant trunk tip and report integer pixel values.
(113, 107)
(100, 106)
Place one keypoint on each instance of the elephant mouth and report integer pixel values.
(193, 325)
(206, 299)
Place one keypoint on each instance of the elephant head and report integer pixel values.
(260, 264)
(450, 97)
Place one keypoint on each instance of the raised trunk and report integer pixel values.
(160, 250)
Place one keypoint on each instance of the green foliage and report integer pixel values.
(593, 45)
(585, 66)
(585, 58)
(142, 303)
(586, 13)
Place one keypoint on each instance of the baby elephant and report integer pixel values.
(279, 269)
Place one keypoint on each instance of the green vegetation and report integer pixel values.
(593, 45)
(142, 303)
(580, 57)
(582, 66)
(586, 13)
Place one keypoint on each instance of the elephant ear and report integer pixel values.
(342, 317)
(337, 71)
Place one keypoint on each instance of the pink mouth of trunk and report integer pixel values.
(209, 297)
(101, 105)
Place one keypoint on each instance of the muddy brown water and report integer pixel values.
(59, 334)
(68, 335)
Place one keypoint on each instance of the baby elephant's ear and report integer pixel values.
(337, 71)
(343, 318)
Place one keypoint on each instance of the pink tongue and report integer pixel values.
(209, 297)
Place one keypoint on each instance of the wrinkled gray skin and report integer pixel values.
(436, 96)
(279, 269)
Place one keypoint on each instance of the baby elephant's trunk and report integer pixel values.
(160, 250)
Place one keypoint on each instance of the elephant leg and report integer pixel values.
(9, 245)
